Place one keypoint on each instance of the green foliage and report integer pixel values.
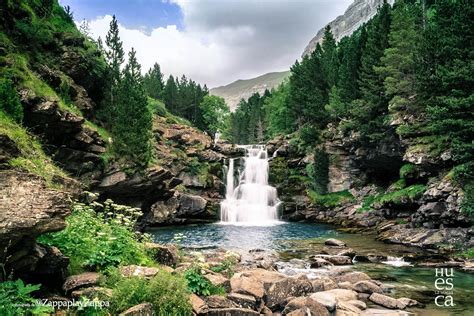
(408, 194)
(32, 157)
(279, 170)
(247, 123)
(9, 101)
(215, 114)
(277, 115)
(100, 240)
(168, 293)
(226, 266)
(153, 82)
(319, 171)
(367, 204)
(469, 253)
(199, 285)
(407, 171)
(183, 98)
(330, 199)
(132, 122)
(16, 299)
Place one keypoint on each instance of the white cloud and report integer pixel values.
(228, 40)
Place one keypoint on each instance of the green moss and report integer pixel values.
(366, 204)
(278, 170)
(410, 193)
(469, 253)
(407, 170)
(330, 199)
(32, 157)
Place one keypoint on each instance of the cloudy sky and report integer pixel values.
(212, 41)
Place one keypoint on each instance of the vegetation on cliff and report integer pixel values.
(405, 74)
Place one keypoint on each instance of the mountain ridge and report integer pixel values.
(244, 88)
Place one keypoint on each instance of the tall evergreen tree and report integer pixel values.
(153, 82)
(329, 58)
(370, 110)
(115, 57)
(399, 60)
(170, 94)
(446, 82)
(133, 120)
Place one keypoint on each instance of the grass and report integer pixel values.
(398, 197)
(32, 157)
(158, 108)
(330, 199)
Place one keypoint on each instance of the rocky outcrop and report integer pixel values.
(358, 13)
(75, 147)
(139, 189)
(28, 208)
(182, 208)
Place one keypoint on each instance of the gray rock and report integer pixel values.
(81, 280)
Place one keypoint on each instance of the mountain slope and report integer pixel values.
(243, 89)
(358, 13)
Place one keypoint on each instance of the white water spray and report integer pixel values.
(253, 201)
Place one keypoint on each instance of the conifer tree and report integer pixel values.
(398, 61)
(370, 110)
(133, 120)
(153, 82)
(114, 55)
(329, 58)
(170, 95)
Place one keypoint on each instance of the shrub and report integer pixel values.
(199, 285)
(100, 240)
(9, 101)
(16, 299)
(168, 293)
(226, 267)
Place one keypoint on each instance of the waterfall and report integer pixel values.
(253, 201)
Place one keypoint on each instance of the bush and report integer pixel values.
(199, 285)
(16, 299)
(9, 101)
(168, 293)
(100, 240)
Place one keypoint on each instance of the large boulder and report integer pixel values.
(86, 279)
(234, 311)
(386, 301)
(352, 277)
(164, 254)
(305, 303)
(367, 287)
(29, 208)
(143, 309)
(138, 271)
(199, 305)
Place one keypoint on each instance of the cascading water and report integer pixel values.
(253, 201)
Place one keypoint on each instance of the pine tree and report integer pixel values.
(115, 57)
(133, 120)
(399, 60)
(329, 58)
(370, 110)
(446, 82)
(153, 81)
(170, 95)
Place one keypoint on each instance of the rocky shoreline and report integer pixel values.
(256, 283)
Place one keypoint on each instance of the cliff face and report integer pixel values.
(359, 12)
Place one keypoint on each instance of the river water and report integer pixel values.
(249, 220)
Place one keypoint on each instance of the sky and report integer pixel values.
(213, 42)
